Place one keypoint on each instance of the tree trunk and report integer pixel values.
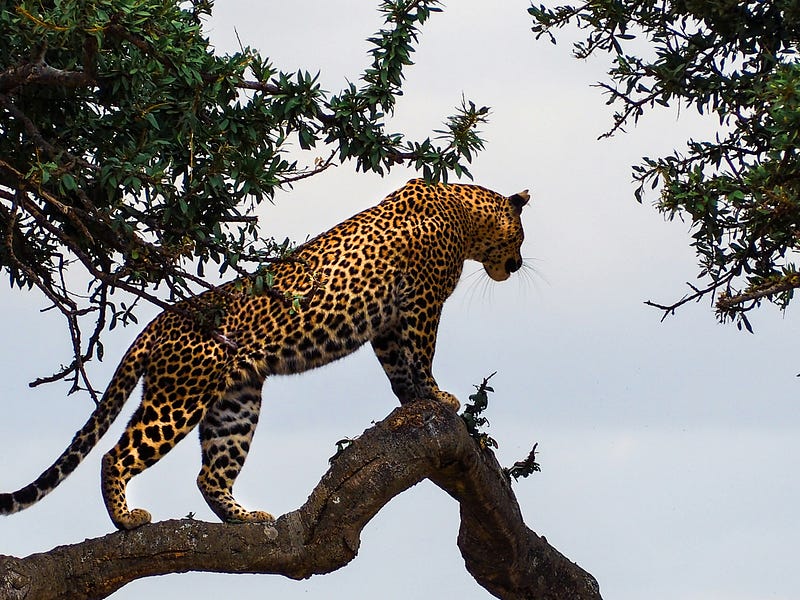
(416, 441)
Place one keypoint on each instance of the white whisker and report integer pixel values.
(477, 283)
(530, 276)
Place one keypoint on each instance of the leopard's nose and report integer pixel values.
(513, 264)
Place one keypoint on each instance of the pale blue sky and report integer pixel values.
(668, 449)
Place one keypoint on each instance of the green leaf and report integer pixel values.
(150, 118)
(68, 182)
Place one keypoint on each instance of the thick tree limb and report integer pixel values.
(417, 441)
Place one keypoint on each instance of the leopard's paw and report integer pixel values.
(448, 399)
(253, 516)
(133, 519)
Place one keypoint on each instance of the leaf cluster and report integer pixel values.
(132, 156)
(524, 468)
(736, 61)
(478, 402)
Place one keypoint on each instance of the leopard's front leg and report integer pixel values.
(406, 355)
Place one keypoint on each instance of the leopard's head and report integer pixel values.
(501, 235)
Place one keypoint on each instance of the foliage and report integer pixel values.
(132, 156)
(525, 467)
(478, 402)
(735, 60)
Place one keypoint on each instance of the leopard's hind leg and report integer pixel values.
(225, 435)
(171, 407)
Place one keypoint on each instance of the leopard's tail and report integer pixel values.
(122, 384)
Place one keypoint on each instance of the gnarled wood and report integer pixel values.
(416, 441)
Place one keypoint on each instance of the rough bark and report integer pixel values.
(416, 441)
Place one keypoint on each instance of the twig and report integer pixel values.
(324, 165)
(696, 296)
(259, 86)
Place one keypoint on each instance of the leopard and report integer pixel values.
(382, 276)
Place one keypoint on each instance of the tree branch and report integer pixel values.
(259, 86)
(416, 441)
(40, 73)
(729, 303)
(320, 166)
(669, 309)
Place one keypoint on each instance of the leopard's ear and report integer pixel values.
(519, 200)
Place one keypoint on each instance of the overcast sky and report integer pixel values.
(668, 450)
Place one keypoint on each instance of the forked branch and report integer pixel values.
(417, 441)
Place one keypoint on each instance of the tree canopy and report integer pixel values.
(737, 61)
(132, 155)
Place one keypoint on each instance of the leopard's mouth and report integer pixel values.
(496, 272)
